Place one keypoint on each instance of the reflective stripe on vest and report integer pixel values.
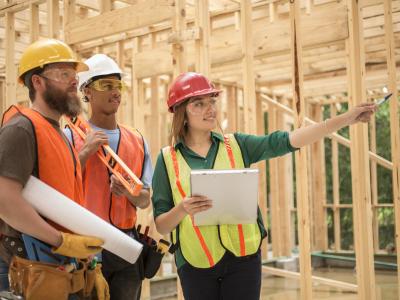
(204, 246)
(116, 210)
(56, 164)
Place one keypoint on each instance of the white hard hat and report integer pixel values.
(99, 64)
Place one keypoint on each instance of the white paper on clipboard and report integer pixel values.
(60, 209)
(234, 194)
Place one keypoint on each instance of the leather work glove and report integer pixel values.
(78, 246)
(101, 285)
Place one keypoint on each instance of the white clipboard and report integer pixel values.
(234, 195)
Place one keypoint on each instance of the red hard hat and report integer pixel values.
(188, 85)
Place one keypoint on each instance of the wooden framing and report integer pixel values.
(394, 124)
(303, 206)
(244, 47)
(359, 160)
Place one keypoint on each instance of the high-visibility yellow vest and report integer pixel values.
(204, 246)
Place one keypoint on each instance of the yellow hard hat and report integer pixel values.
(47, 51)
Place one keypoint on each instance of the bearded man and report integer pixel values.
(32, 143)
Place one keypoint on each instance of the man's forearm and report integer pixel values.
(142, 200)
(20, 215)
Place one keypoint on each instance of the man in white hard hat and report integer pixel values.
(105, 196)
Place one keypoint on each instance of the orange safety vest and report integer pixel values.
(116, 210)
(56, 166)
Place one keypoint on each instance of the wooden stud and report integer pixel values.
(178, 49)
(34, 22)
(335, 188)
(119, 21)
(123, 112)
(274, 189)
(202, 46)
(53, 19)
(301, 155)
(318, 190)
(374, 184)
(360, 172)
(319, 280)
(11, 81)
(249, 86)
(394, 124)
(105, 6)
(69, 13)
(138, 117)
(271, 12)
(232, 108)
(2, 96)
(262, 187)
(286, 199)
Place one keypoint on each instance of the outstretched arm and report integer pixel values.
(307, 135)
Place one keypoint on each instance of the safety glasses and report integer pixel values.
(199, 106)
(60, 75)
(108, 84)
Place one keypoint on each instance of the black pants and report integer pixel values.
(232, 278)
(123, 278)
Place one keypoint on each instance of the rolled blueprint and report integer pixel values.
(58, 208)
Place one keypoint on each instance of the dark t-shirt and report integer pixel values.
(18, 154)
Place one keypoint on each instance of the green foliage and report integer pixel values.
(385, 215)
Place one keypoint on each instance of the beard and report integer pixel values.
(66, 102)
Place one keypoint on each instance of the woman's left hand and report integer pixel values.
(362, 112)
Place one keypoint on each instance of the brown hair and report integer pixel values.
(179, 126)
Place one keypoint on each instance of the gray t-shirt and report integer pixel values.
(18, 154)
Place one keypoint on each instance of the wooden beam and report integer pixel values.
(2, 96)
(249, 85)
(286, 199)
(179, 52)
(105, 6)
(232, 108)
(335, 188)
(303, 206)
(53, 19)
(274, 189)
(11, 74)
(262, 186)
(318, 184)
(155, 140)
(374, 184)
(34, 22)
(202, 45)
(120, 20)
(360, 172)
(315, 279)
(138, 117)
(69, 13)
(15, 6)
(394, 124)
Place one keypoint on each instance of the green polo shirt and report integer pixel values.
(254, 149)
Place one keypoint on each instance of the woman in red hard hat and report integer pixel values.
(222, 261)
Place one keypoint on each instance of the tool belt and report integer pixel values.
(150, 259)
(38, 280)
(10, 246)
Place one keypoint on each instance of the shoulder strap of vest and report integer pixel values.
(10, 112)
(227, 141)
(170, 150)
